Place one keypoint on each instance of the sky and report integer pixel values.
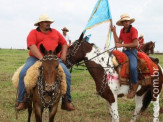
(17, 18)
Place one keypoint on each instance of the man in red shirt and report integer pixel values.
(128, 40)
(50, 38)
(141, 40)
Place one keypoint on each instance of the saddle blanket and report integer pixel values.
(32, 74)
(145, 64)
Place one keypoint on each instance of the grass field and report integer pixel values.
(89, 106)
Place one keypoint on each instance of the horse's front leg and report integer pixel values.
(29, 111)
(156, 109)
(38, 112)
(52, 112)
(114, 110)
(138, 107)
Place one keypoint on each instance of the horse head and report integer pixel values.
(151, 47)
(49, 68)
(148, 47)
(76, 52)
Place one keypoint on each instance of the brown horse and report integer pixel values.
(47, 92)
(148, 47)
(100, 66)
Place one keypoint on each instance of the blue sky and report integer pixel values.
(17, 18)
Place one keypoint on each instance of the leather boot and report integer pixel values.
(67, 106)
(21, 106)
(132, 91)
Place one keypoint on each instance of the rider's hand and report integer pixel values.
(118, 45)
(63, 58)
(113, 28)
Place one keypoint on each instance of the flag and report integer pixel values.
(101, 13)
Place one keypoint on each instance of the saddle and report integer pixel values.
(145, 67)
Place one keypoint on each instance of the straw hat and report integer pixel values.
(141, 35)
(65, 29)
(42, 18)
(123, 18)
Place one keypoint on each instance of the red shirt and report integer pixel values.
(49, 40)
(141, 40)
(128, 37)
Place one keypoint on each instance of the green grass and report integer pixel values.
(89, 106)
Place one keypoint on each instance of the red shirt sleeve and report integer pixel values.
(62, 40)
(120, 36)
(134, 33)
(31, 38)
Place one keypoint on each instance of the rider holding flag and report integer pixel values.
(128, 39)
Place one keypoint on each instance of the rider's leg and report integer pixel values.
(132, 55)
(21, 87)
(66, 100)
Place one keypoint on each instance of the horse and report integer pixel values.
(100, 66)
(47, 92)
(148, 47)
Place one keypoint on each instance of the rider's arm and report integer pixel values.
(134, 44)
(116, 39)
(63, 52)
(35, 51)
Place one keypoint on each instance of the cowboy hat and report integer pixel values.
(65, 29)
(42, 18)
(123, 18)
(141, 35)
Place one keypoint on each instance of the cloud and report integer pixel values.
(17, 18)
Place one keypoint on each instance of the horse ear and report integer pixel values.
(58, 49)
(81, 36)
(42, 49)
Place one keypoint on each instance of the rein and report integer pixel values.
(77, 45)
(55, 93)
(75, 49)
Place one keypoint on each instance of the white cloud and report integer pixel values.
(17, 18)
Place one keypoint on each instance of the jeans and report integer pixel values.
(68, 81)
(132, 55)
(29, 62)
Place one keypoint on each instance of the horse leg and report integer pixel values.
(156, 109)
(38, 112)
(29, 112)
(138, 107)
(52, 112)
(114, 110)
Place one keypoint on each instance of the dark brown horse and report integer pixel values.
(47, 92)
(100, 65)
(148, 47)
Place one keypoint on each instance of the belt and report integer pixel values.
(127, 48)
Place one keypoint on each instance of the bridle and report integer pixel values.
(55, 88)
(74, 51)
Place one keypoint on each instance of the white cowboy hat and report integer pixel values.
(123, 18)
(42, 18)
(65, 29)
(141, 35)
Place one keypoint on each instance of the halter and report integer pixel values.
(55, 93)
(75, 49)
(49, 57)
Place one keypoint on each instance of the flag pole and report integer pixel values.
(111, 25)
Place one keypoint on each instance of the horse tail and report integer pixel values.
(161, 72)
(146, 100)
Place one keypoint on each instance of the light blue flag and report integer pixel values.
(101, 13)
